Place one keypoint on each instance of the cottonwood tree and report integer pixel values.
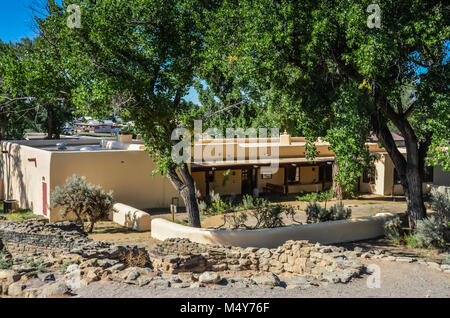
(326, 60)
(38, 88)
(145, 51)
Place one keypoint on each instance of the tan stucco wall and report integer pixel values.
(324, 233)
(21, 179)
(277, 178)
(131, 217)
(127, 173)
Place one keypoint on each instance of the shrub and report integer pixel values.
(411, 241)
(270, 216)
(316, 213)
(88, 202)
(429, 232)
(392, 229)
(440, 203)
(315, 196)
(266, 215)
(248, 202)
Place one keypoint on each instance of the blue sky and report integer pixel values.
(16, 23)
(15, 20)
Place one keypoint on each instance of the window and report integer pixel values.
(369, 176)
(293, 175)
(209, 176)
(396, 177)
(428, 174)
(329, 173)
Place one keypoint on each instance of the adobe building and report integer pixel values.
(31, 169)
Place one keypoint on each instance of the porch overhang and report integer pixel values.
(244, 164)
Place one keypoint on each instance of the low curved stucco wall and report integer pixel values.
(324, 233)
(131, 217)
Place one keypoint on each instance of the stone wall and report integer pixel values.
(300, 257)
(39, 236)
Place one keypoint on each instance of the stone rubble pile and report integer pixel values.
(66, 259)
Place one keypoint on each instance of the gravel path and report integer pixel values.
(397, 280)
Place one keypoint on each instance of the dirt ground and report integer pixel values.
(397, 280)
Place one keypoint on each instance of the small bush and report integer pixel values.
(429, 232)
(440, 203)
(316, 213)
(88, 202)
(315, 196)
(266, 215)
(411, 241)
(392, 229)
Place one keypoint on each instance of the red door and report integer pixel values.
(44, 198)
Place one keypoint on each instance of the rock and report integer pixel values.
(10, 275)
(144, 280)
(405, 259)
(89, 263)
(106, 263)
(46, 277)
(434, 265)
(297, 282)
(160, 283)
(91, 275)
(196, 285)
(16, 289)
(132, 276)
(180, 285)
(58, 288)
(357, 249)
(445, 267)
(31, 293)
(269, 279)
(209, 278)
(117, 267)
(332, 278)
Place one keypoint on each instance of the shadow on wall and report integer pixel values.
(12, 168)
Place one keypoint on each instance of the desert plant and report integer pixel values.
(429, 232)
(392, 229)
(315, 196)
(266, 215)
(339, 212)
(248, 202)
(213, 196)
(316, 213)
(87, 202)
(440, 203)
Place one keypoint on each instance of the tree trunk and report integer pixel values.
(337, 187)
(50, 122)
(185, 186)
(3, 126)
(414, 199)
(409, 170)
